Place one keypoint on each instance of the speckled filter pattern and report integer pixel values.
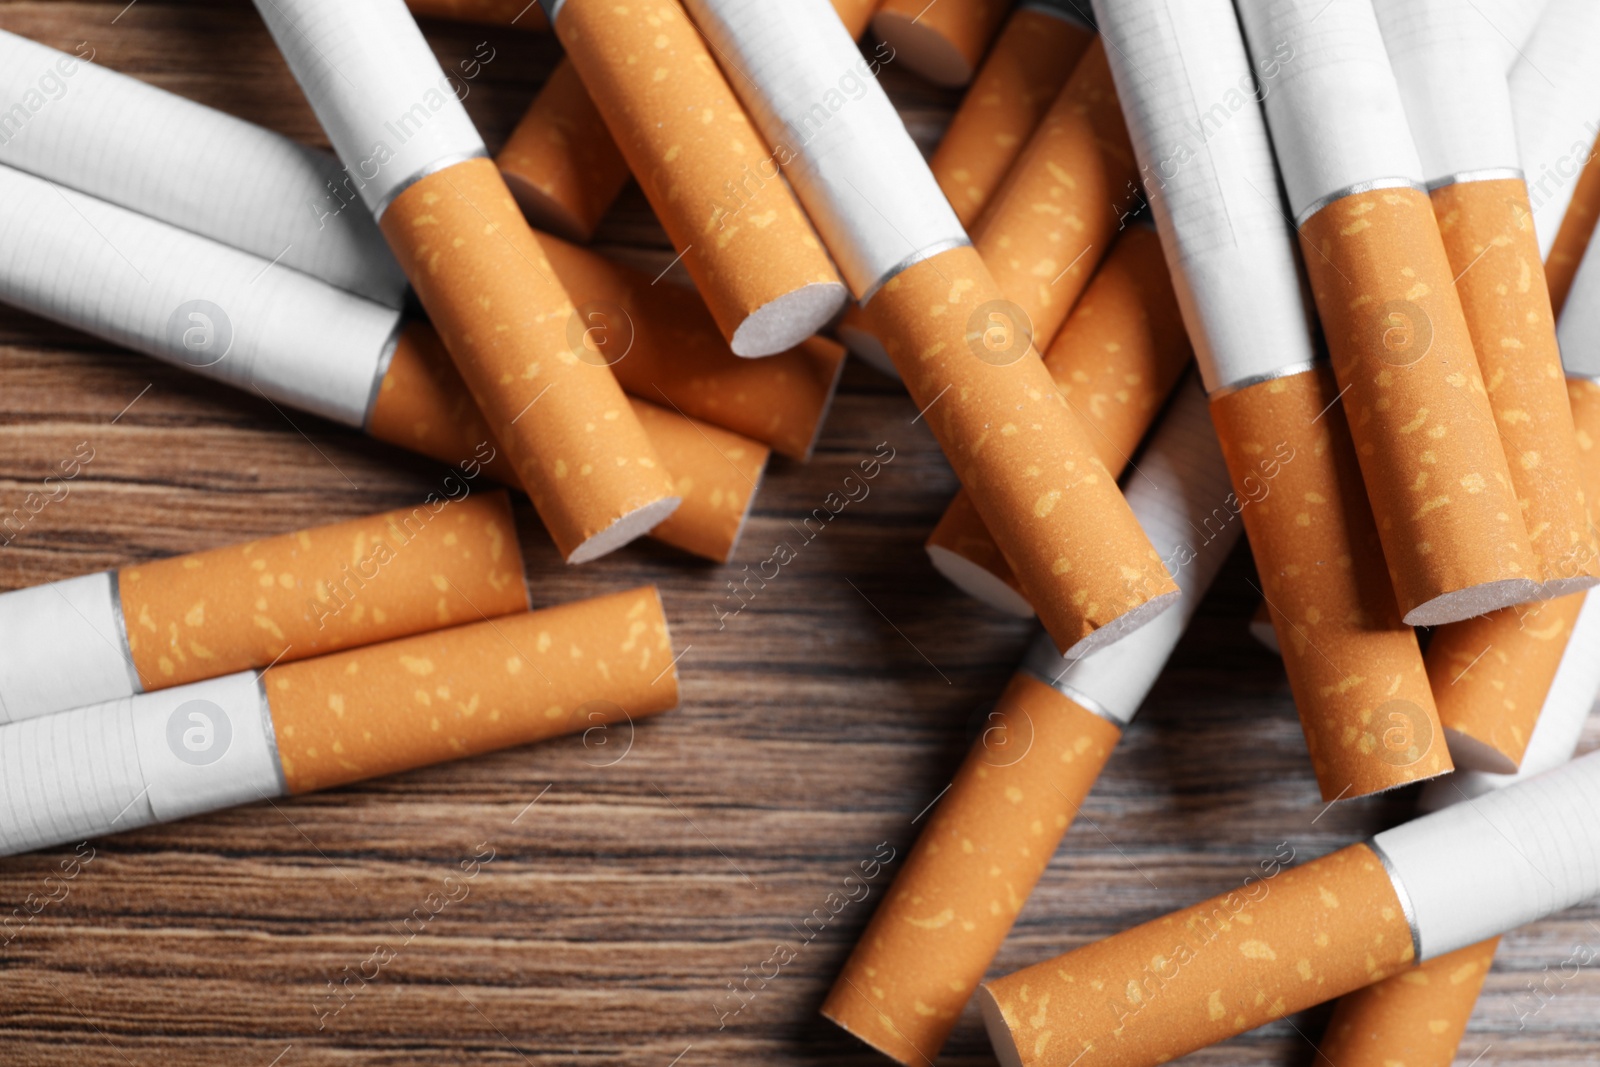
(1354, 668)
(440, 563)
(423, 405)
(1572, 237)
(472, 689)
(1116, 360)
(985, 846)
(1411, 1019)
(701, 163)
(1018, 449)
(1416, 404)
(674, 355)
(1584, 397)
(1208, 972)
(1490, 674)
(504, 317)
(1055, 215)
(1019, 80)
(1487, 227)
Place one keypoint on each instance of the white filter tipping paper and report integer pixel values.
(1555, 103)
(171, 294)
(132, 762)
(1335, 112)
(1192, 100)
(1555, 738)
(62, 646)
(832, 129)
(1499, 861)
(1181, 494)
(116, 138)
(378, 90)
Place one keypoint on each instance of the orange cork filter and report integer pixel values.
(1054, 216)
(423, 405)
(1583, 394)
(1208, 972)
(1021, 77)
(582, 456)
(560, 161)
(1425, 434)
(1116, 360)
(304, 594)
(473, 689)
(524, 14)
(706, 171)
(1490, 676)
(942, 42)
(1572, 236)
(984, 848)
(1355, 669)
(1018, 449)
(1487, 228)
(663, 345)
(1415, 1018)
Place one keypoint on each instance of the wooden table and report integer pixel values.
(621, 908)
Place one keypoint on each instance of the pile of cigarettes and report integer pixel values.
(1365, 223)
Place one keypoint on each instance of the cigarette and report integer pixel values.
(1055, 215)
(1573, 235)
(593, 665)
(942, 42)
(1422, 890)
(1019, 80)
(1579, 335)
(857, 333)
(390, 113)
(1354, 668)
(560, 161)
(1425, 435)
(706, 171)
(970, 371)
(304, 344)
(992, 834)
(1449, 64)
(208, 180)
(423, 405)
(1555, 107)
(169, 622)
(1115, 361)
(524, 14)
(1419, 1015)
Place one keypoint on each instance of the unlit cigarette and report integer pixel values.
(1355, 669)
(983, 391)
(168, 622)
(116, 138)
(1449, 63)
(995, 830)
(707, 172)
(1417, 892)
(378, 91)
(1115, 361)
(1019, 80)
(1425, 435)
(1555, 102)
(334, 719)
(942, 42)
(1057, 212)
(1572, 238)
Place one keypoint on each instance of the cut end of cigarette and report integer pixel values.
(1473, 601)
(1123, 625)
(865, 346)
(544, 211)
(979, 583)
(1470, 754)
(923, 49)
(780, 324)
(634, 524)
(994, 1021)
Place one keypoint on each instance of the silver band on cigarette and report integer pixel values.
(1406, 907)
(411, 179)
(1281, 372)
(1496, 174)
(1356, 189)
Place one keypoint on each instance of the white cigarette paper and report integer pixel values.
(63, 647)
(1180, 492)
(66, 120)
(1190, 94)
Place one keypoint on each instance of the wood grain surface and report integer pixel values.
(626, 897)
